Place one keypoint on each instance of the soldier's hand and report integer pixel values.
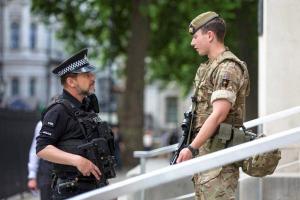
(86, 167)
(185, 154)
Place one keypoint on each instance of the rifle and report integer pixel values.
(186, 127)
(99, 153)
(186, 135)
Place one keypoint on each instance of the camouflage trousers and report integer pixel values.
(216, 184)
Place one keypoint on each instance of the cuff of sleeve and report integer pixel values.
(223, 94)
(31, 175)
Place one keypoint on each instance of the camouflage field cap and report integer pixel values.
(201, 20)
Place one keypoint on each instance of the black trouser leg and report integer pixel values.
(46, 192)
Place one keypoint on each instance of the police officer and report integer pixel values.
(222, 83)
(62, 133)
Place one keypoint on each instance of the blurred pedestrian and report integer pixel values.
(119, 145)
(173, 139)
(39, 170)
(148, 140)
(164, 138)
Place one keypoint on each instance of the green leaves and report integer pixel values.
(105, 26)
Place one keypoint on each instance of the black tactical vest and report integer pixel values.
(97, 145)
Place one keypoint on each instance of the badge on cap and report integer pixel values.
(201, 20)
(78, 63)
(191, 29)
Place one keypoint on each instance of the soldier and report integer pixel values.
(71, 127)
(221, 85)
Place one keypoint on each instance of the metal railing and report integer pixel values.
(144, 155)
(190, 167)
(190, 195)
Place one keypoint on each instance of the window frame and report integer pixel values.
(33, 36)
(171, 112)
(15, 38)
(15, 86)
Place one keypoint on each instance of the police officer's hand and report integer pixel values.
(86, 167)
(185, 154)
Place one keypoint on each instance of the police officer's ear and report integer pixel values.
(70, 80)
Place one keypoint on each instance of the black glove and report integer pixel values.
(91, 103)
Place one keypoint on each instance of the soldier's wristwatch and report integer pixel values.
(193, 150)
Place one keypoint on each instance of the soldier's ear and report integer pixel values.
(211, 36)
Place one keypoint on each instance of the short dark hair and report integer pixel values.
(218, 26)
(63, 78)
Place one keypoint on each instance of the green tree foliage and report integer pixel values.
(173, 57)
(139, 30)
(105, 26)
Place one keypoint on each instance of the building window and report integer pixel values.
(33, 35)
(32, 87)
(14, 35)
(171, 109)
(15, 86)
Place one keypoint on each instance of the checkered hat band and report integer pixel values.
(73, 66)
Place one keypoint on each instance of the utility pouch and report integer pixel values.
(229, 136)
(239, 137)
(221, 138)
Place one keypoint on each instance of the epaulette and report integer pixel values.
(65, 103)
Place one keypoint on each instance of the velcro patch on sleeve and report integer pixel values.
(51, 119)
(51, 124)
(46, 133)
(223, 94)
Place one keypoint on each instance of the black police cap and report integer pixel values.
(78, 63)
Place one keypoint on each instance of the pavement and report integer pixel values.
(121, 175)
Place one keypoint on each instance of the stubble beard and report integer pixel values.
(86, 92)
(83, 92)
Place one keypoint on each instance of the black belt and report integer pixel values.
(74, 184)
(71, 181)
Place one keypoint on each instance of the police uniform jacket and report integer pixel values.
(60, 127)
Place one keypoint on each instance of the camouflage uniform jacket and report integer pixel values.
(225, 77)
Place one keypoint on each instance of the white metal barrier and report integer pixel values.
(273, 117)
(192, 166)
(143, 155)
(186, 196)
